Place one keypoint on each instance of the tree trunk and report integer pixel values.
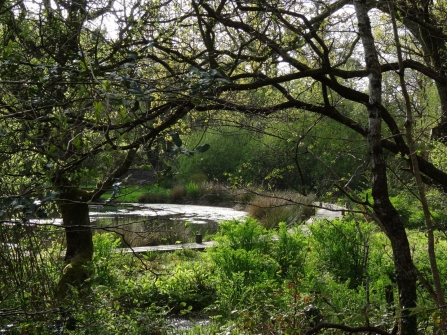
(76, 220)
(389, 217)
(78, 233)
(440, 300)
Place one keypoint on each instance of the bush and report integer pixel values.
(227, 153)
(104, 244)
(281, 207)
(178, 193)
(156, 195)
(290, 251)
(340, 246)
(216, 194)
(254, 262)
(192, 190)
(30, 266)
(242, 258)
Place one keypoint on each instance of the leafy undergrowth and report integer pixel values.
(257, 281)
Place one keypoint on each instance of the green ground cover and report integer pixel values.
(257, 281)
(134, 193)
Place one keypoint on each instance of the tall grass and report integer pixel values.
(281, 207)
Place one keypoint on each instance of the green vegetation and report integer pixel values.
(271, 105)
(255, 281)
(270, 157)
(132, 193)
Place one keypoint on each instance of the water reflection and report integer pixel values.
(156, 224)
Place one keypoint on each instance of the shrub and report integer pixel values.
(216, 194)
(253, 263)
(341, 248)
(247, 235)
(155, 196)
(198, 178)
(245, 268)
(192, 190)
(227, 153)
(290, 251)
(282, 207)
(178, 193)
(103, 247)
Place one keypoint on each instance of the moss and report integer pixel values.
(76, 275)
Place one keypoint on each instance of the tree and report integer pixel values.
(308, 56)
(423, 20)
(78, 104)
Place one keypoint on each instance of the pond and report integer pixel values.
(156, 224)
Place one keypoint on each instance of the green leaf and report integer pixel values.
(176, 139)
(107, 85)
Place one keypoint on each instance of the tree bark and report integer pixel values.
(74, 209)
(440, 301)
(393, 226)
(76, 221)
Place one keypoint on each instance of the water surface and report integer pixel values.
(155, 224)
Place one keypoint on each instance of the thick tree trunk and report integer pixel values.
(389, 217)
(76, 220)
(78, 233)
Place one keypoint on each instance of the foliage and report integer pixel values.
(105, 244)
(203, 193)
(342, 246)
(255, 281)
(252, 263)
(272, 156)
(156, 195)
(411, 211)
(192, 190)
(29, 268)
(226, 155)
(290, 251)
(79, 103)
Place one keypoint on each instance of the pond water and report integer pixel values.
(155, 224)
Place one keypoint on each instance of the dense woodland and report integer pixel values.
(334, 101)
